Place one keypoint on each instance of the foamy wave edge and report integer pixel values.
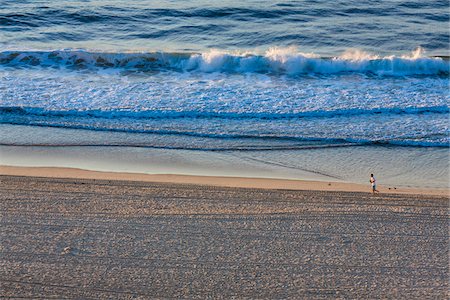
(17, 111)
(274, 61)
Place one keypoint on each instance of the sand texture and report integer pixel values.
(100, 239)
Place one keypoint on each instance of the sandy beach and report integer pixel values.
(102, 238)
(224, 149)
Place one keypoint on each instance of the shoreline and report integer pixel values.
(218, 181)
(400, 167)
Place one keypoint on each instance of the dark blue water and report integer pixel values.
(323, 27)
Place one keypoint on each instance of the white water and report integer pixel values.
(354, 107)
(287, 61)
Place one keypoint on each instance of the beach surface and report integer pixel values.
(219, 181)
(101, 238)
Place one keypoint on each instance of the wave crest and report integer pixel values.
(280, 61)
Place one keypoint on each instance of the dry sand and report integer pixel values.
(105, 239)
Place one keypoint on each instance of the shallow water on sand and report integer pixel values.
(421, 167)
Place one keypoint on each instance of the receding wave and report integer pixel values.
(274, 61)
(318, 145)
(172, 114)
(298, 143)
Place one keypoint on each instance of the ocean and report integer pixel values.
(276, 81)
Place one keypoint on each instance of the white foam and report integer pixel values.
(408, 110)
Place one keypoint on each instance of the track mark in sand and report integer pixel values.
(147, 240)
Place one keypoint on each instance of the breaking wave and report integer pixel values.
(286, 61)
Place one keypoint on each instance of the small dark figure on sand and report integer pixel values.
(373, 182)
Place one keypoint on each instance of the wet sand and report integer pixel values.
(222, 181)
(101, 239)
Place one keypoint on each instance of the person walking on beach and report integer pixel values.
(373, 182)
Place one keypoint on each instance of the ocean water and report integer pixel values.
(244, 76)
